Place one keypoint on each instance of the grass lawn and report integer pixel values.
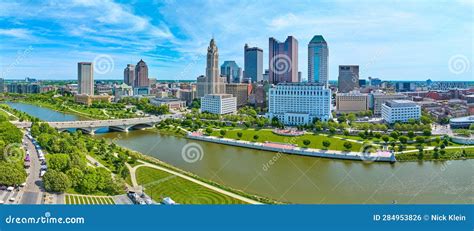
(88, 200)
(451, 154)
(268, 135)
(159, 184)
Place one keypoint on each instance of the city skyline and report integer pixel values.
(394, 42)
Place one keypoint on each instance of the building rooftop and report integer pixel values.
(463, 119)
(300, 84)
(317, 39)
(400, 103)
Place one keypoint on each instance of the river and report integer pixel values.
(300, 179)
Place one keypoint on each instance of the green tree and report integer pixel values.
(240, 134)
(306, 142)
(385, 138)
(75, 175)
(55, 181)
(209, 131)
(326, 144)
(223, 132)
(347, 145)
(427, 132)
(59, 162)
(11, 173)
(255, 137)
(411, 134)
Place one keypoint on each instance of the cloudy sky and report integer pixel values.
(391, 40)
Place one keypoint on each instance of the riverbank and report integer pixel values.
(291, 149)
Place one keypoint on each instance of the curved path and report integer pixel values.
(217, 189)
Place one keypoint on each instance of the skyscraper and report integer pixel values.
(283, 60)
(2, 85)
(85, 78)
(141, 75)
(231, 71)
(318, 60)
(129, 75)
(348, 78)
(215, 84)
(253, 63)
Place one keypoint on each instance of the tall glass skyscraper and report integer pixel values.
(283, 60)
(318, 53)
(231, 71)
(253, 64)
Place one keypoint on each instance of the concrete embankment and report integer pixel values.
(288, 149)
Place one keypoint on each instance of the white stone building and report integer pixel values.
(219, 104)
(400, 111)
(299, 103)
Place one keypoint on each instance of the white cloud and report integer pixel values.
(16, 33)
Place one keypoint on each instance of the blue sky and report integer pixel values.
(391, 40)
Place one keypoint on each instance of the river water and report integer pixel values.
(299, 179)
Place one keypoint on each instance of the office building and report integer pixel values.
(129, 75)
(187, 95)
(299, 103)
(90, 99)
(141, 75)
(400, 111)
(375, 82)
(376, 100)
(85, 78)
(318, 53)
(258, 95)
(348, 79)
(219, 104)
(212, 83)
(253, 63)
(171, 103)
(351, 102)
(240, 91)
(405, 86)
(121, 91)
(283, 61)
(231, 71)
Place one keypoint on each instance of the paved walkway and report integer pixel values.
(217, 189)
(10, 114)
(432, 148)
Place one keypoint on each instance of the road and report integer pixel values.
(33, 191)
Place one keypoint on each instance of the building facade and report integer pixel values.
(348, 78)
(239, 91)
(219, 104)
(121, 91)
(171, 103)
(352, 102)
(298, 103)
(283, 61)
(188, 95)
(318, 53)
(231, 71)
(378, 99)
(400, 111)
(129, 75)
(85, 78)
(253, 63)
(141, 75)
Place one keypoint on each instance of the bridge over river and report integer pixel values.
(90, 126)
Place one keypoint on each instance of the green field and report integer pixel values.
(159, 184)
(88, 200)
(268, 135)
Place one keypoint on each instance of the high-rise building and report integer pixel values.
(85, 78)
(318, 53)
(283, 60)
(253, 63)
(212, 83)
(129, 75)
(231, 71)
(121, 91)
(348, 78)
(141, 75)
(299, 103)
(240, 91)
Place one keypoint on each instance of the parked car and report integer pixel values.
(11, 188)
